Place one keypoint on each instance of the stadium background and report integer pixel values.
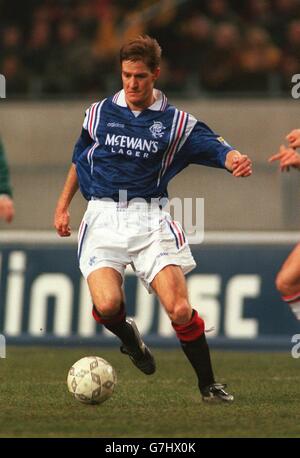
(230, 64)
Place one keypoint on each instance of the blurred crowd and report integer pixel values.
(70, 47)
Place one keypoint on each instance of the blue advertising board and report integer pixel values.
(44, 299)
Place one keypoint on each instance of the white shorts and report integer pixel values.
(114, 234)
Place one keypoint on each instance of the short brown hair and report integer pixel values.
(143, 48)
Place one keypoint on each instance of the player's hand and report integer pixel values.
(294, 138)
(62, 222)
(7, 210)
(241, 166)
(287, 158)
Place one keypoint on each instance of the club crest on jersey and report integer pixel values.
(157, 129)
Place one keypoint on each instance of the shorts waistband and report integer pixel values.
(133, 203)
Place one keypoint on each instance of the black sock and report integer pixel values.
(117, 325)
(124, 331)
(197, 352)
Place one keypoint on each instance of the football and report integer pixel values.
(91, 380)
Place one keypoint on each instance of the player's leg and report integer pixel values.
(170, 286)
(105, 285)
(288, 281)
(102, 255)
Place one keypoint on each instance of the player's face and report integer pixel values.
(138, 82)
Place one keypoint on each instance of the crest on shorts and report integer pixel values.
(157, 129)
(92, 260)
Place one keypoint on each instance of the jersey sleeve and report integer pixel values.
(205, 147)
(82, 143)
(91, 119)
(89, 129)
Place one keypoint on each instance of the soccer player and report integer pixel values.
(136, 142)
(288, 277)
(7, 210)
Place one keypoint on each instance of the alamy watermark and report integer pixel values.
(2, 346)
(2, 87)
(295, 351)
(296, 87)
(187, 214)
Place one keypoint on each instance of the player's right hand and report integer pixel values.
(62, 222)
(294, 138)
(241, 165)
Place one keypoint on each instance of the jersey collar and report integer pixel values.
(160, 103)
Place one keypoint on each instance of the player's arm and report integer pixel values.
(287, 157)
(238, 164)
(203, 146)
(62, 215)
(294, 138)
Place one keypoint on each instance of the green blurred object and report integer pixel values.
(5, 187)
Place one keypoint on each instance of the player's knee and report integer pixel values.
(181, 312)
(283, 284)
(108, 306)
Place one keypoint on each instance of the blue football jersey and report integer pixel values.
(141, 152)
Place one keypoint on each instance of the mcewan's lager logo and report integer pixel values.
(131, 146)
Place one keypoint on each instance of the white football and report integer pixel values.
(91, 380)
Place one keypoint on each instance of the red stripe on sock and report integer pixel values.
(190, 331)
(115, 319)
(292, 298)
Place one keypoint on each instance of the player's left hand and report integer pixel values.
(287, 158)
(241, 166)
